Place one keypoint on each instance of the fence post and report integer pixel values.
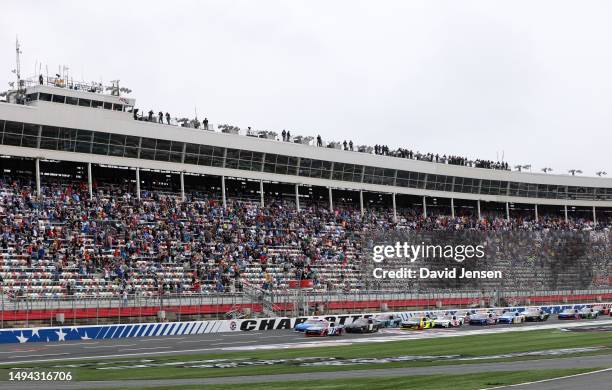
(180, 307)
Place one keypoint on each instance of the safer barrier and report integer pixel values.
(103, 332)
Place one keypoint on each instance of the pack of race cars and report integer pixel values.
(320, 327)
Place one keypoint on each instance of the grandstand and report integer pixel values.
(95, 202)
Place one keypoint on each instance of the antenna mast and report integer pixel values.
(18, 62)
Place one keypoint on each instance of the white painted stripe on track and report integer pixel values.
(236, 342)
(141, 349)
(110, 346)
(51, 354)
(149, 339)
(550, 379)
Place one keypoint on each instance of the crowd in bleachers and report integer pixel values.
(441, 159)
(65, 244)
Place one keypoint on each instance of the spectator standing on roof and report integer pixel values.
(288, 137)
(160, 116)
(351, 145)
(40, 79)
(284, 134)
(151, 116)
(205, 123)
(168, 118)
(319, 141)
(345, 145)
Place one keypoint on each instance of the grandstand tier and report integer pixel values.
(96, 201)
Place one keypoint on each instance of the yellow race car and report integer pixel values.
(417, 323)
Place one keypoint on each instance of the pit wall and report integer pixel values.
(117, 331)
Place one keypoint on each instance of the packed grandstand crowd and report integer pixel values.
(65, 244)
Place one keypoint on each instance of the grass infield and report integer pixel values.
(466, 346)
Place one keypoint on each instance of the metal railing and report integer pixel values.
(139, 308)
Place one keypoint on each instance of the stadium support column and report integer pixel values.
(138, 183)
(507, 211)
(297, 197)
(37, 162)
(594, 217)
(89, 181)
(331, 200)
(361, 202)
(478, 208)
(565, 210)
(452, 207)
(183, 186)
(261, 193)
(223, 191)
(394, 209)
(424, 208)
(535, 211)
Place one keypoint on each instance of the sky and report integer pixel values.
(527, 80)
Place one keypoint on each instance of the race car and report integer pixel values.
(301, 327)
(448, 321)
(511, 317)
(417, 323)
(569, 314)
(535, 315)
(465, 316)
(603, 310)
(388, 320)
(363, 325)
(324, 328)
(483, 319)
(588, 313)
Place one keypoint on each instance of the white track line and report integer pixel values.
(110, 346)
(140, 349)
(236, 342)
(549, 380)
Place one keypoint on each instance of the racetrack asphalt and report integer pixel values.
(221, 342)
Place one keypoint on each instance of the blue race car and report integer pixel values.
(304, 326)
(511, 317)
(569, 314)
(483, 319)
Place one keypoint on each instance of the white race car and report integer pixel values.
(448, 321)
(511, 317)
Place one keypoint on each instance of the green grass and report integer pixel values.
(420, 382)
(467, 346)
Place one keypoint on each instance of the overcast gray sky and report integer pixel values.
(530, 78)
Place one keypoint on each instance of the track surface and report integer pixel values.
(221, 342)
